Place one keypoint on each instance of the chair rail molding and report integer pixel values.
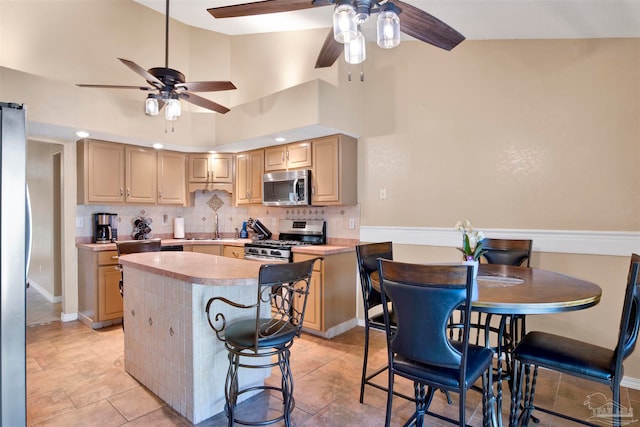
(615, 243)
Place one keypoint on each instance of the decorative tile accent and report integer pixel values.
(215, 202)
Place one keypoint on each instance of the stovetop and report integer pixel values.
(271, 243)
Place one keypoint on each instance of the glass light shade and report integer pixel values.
(355, 51)
(388, 29)
(151, 107)
(172, 111)
(344, 27)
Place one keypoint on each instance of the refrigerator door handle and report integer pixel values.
(28, 236)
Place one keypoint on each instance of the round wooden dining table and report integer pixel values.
(518, 291)
(506, 289)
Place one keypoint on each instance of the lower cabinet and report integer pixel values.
(234, 252)
(208, 249)
(331, 304)
(99, 299)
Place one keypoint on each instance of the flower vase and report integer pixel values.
(474, 290)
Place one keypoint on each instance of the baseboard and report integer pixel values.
(629, 382)
(616, 243)
(334, 331)
(42, 291)
(68, 317)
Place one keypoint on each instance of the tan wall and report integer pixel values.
(40, 171)
(510, 134)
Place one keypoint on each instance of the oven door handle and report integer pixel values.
(271, 260)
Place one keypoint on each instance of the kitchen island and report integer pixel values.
(169, 345)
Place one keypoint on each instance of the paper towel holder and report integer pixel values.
(178, 228)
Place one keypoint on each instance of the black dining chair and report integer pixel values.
(367, 256)
(264, 341)
(134, 246)
(420, 349)
(578, 358)
(507, 251)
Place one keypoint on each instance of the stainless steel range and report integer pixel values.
(292, 232)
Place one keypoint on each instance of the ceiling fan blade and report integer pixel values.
(118, 87)
(423, 26)
(203, 102)
(262, 7)
(141, 71)
(206, 86)
(330, 51)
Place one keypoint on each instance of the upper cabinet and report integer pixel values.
(211, 171)
(249, 170)
(172, 185)
(111, 173)
(290, 156)
(334, 175)
(215, 167)
(141, 175)
(100, 172)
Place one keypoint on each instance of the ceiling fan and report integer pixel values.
(168, 86)
(412, 21)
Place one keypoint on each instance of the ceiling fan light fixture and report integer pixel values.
(355, 51)
(173, 109)
(151, 105)
(388, 34)
(344, 25)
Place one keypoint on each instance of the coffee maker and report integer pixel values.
(105, 227)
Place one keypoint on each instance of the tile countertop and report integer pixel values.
(319, 250)
(195, 267)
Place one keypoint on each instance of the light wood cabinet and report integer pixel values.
(334, 173)
(331, 304)
(249, 171)
(116, 173)
(290, 156)
(172, 185)
(217, 167)
(99, 299)
(141, 175)
(101, 168)
(236, 252)
(208, 249)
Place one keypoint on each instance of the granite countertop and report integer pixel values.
(195, 267)
(319, 250)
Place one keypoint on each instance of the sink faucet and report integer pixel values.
(216, 232)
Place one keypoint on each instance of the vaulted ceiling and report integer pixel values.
(476, 19)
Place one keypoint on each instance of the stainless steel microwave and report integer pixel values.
(291, 188)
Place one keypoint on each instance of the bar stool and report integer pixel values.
(249, 341)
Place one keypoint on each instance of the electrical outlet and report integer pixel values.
(352, 223)
(79, 222)
(383, 194)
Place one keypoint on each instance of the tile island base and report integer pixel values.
(169, 346)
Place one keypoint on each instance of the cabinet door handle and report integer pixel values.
(116, 257)
(235, 254)
(287, 155)
(160, 194)
(121, 192)
(128, 192)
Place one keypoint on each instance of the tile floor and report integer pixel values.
(75, 377)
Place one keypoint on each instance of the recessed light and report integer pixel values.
(157, 146)
(82, 134)
(280, 139)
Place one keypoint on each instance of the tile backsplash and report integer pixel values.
(200, 218)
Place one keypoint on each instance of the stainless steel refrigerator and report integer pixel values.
(14, 249)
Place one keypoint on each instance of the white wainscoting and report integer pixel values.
(616, 243)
